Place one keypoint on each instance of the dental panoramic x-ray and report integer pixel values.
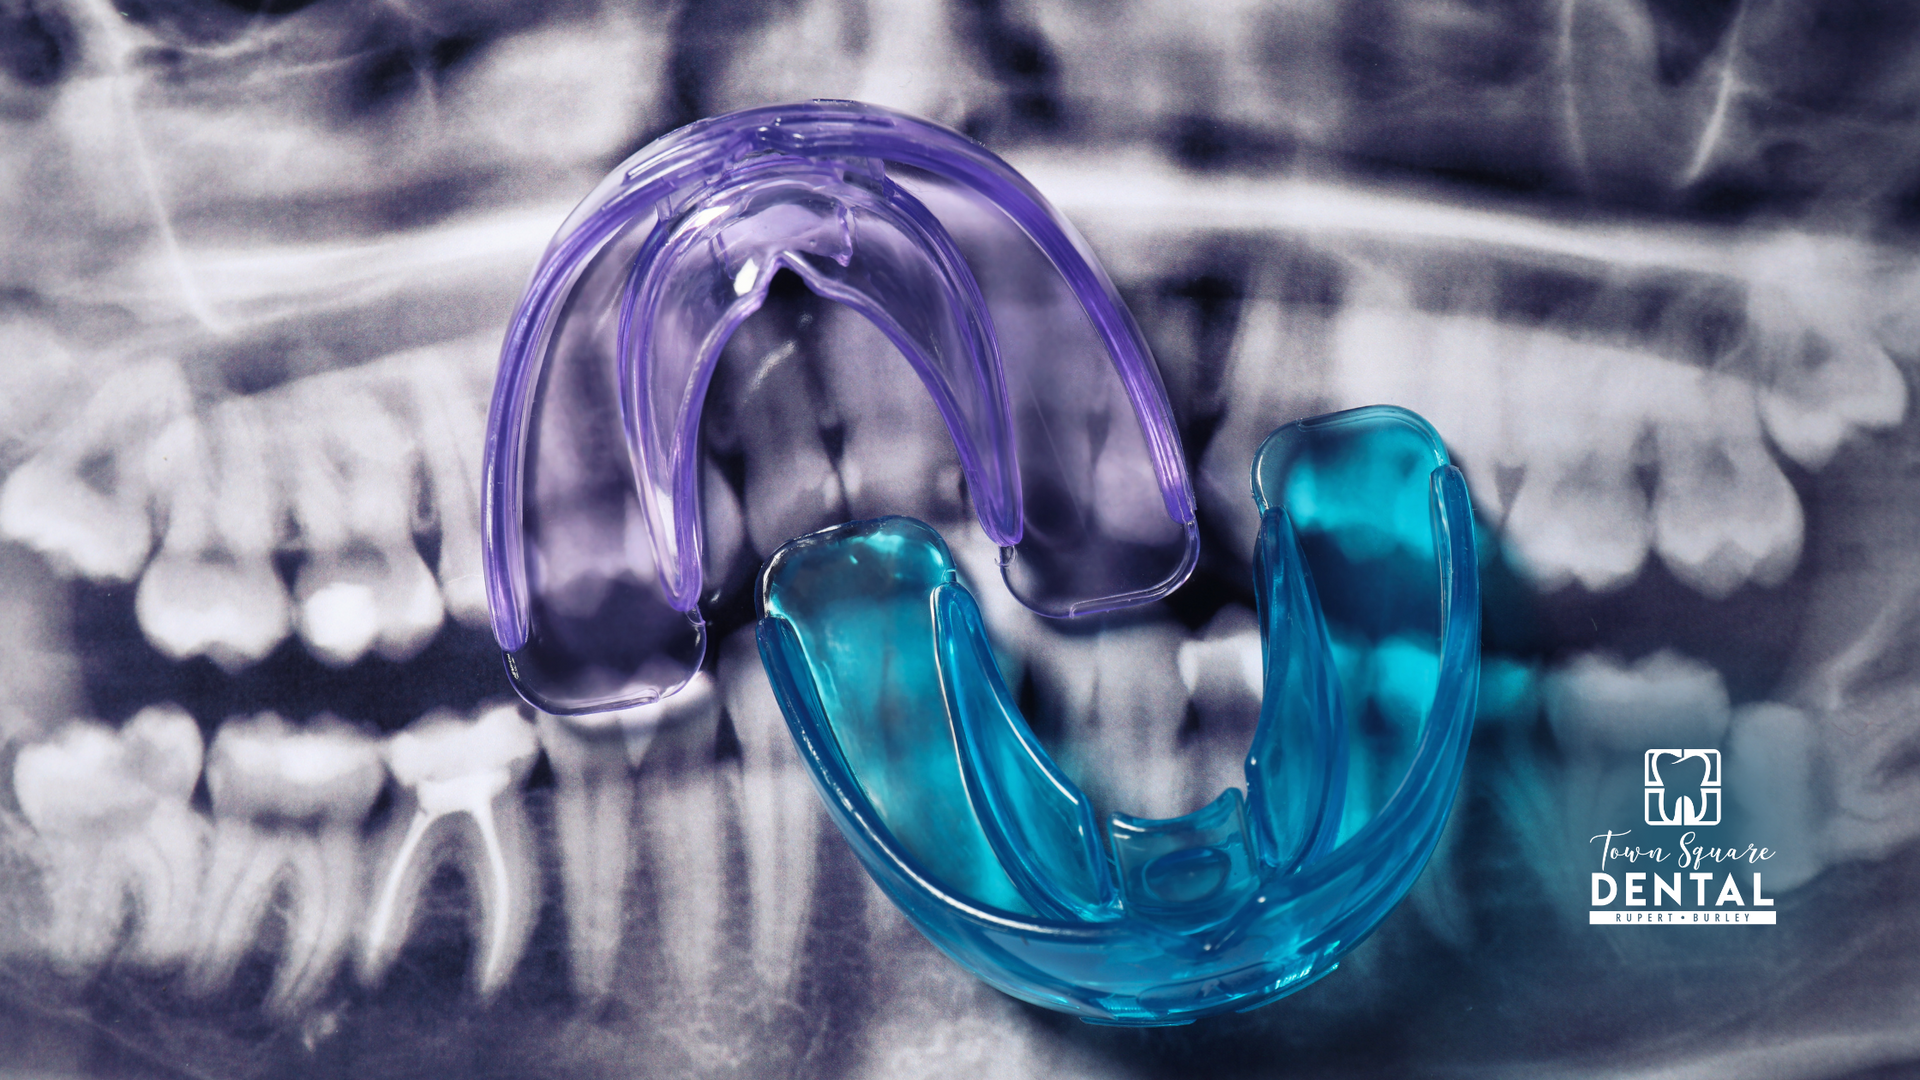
(1256, 539)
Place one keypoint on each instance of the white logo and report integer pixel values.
(1680, 879)
(1683, 787)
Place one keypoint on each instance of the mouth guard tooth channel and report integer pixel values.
(1369, 600)
(1063, 429)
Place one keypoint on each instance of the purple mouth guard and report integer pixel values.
(593, 537)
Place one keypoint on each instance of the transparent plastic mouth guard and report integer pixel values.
(1370, 621)
(1365, 571)
(592, 522)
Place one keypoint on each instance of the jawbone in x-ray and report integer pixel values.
(269, 805)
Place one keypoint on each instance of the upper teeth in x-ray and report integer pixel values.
(337, 458)
(211, 590)
(1578, 419)
(340, 456)
(364, 585)
(83, 500)
(1560, 398)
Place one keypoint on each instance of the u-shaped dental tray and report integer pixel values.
(1370, 616)
(1364, 571)
(592, 523)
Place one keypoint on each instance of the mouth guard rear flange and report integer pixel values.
(592, 525)
(1370, 616)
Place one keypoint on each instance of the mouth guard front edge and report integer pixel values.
(880, 663)
(592, 524)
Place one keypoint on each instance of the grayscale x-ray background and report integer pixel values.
(268, 807)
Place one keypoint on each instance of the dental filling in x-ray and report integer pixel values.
(911, 539)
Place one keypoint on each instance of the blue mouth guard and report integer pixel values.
(592, 524)
(1370, 617)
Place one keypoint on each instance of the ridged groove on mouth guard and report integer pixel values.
(880, 663)
(592, 520)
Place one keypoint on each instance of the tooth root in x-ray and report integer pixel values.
(1268, 379)
(288, 804)
(1118, 704)
(448, 405)
(779, 814)
(212, 589)
(364, 587)
(111, 812)
(792, 486)
(459, 776)
(895, 454)
(83, 500)
(686, 829)
(593, 826)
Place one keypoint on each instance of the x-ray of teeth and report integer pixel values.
(458, 775)
(118, 836)
(269, 807)
(288, 806)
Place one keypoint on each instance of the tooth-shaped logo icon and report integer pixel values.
(880, 662)
(1064, 433)
(1683, 787)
